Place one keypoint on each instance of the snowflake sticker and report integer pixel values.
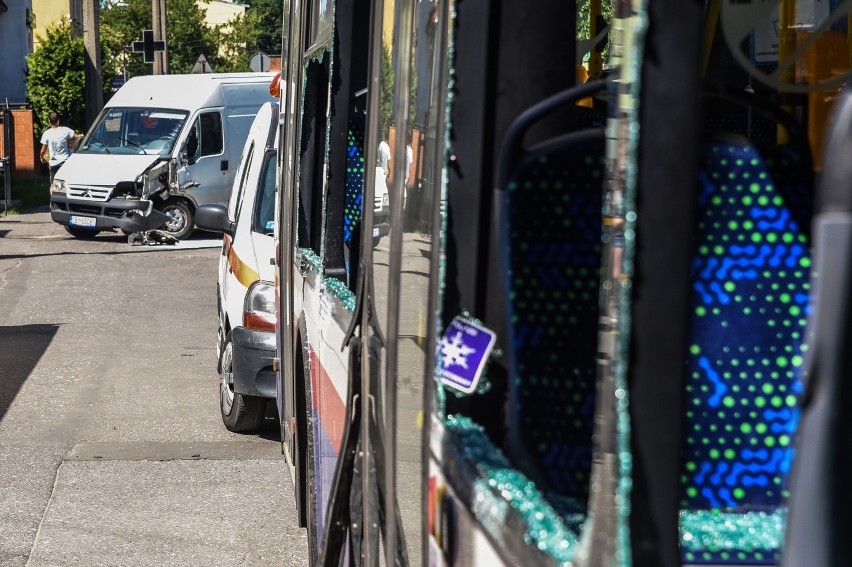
(463, 353)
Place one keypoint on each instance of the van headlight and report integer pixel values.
(58, 186)
(259, 307)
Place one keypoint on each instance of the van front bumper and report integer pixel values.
(252, 364)
(126, 214)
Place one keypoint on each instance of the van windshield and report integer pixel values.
(134, 131)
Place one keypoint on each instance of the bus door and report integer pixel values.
(377, 503)
(321, 202)
(411, 51)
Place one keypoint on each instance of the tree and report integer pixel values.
(234, 41)
(268, 17)
(187, 34)
(121, 24)
(56, 77)
(584, 25)
(189, 37)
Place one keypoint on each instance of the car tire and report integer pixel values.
(181, 220)
(84, 233)
(240, 414)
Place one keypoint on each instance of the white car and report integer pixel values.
(246, 296)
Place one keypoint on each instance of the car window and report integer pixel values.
(237, 199)
(264, 210)
(205, 137)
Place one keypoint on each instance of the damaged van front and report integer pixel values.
(128, 190)
(162, 146)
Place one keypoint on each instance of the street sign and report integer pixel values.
(148, 46)
(260, 62)
(202, 66)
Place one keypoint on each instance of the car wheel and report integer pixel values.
(181, 221)
(84, 233)
(240, 413)
(220, 340)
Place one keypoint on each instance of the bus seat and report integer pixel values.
(750, 299)
(354, 175)
(552, 231)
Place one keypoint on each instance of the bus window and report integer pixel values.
(389, 125)
(767, 76)
(264, 219)
(313, 154)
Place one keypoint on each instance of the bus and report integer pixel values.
(544, 280)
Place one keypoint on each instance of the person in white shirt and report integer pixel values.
(383, 157)
(55, 144)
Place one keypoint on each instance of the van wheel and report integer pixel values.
(240, 414)
(84, 233)
(181, 221)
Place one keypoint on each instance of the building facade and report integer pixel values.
(16, 42)
(50, 12)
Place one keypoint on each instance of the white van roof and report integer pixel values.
(186, 92)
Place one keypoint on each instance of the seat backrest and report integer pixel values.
(750, 299)
(553, 234)
(354, 175)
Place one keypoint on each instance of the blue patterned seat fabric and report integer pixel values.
(554, 255)
(750, 303)
(354, 175)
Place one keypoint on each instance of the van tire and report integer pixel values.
(240, 414)
(84, 233)
(181, 221)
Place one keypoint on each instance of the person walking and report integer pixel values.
(55, 144)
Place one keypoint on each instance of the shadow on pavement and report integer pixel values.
(21, 347)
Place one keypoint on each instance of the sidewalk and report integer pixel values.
(34, 224)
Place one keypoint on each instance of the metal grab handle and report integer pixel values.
(512, 149)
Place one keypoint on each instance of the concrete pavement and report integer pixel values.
(112, 450)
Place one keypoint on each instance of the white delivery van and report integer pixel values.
(245, 288)
(162, 146)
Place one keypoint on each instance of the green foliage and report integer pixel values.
(583, 24)
(228, 47)
(32, 192)
(268, 17)
(56, 77)
(189, 37)
(386, 92)
(120, 26)
(234, 39)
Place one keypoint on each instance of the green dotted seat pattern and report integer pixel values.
(750, 300)
(354, 175)
(554, 228)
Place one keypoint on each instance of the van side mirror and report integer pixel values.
(214, 218)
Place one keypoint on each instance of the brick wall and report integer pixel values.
(25, 161)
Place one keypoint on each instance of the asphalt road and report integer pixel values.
(112, 450)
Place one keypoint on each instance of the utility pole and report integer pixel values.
(158, 24)
(93, 90)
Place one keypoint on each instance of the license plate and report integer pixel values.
(376, 232)
(83, 221)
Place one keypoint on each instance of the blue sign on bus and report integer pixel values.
(463, 353)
